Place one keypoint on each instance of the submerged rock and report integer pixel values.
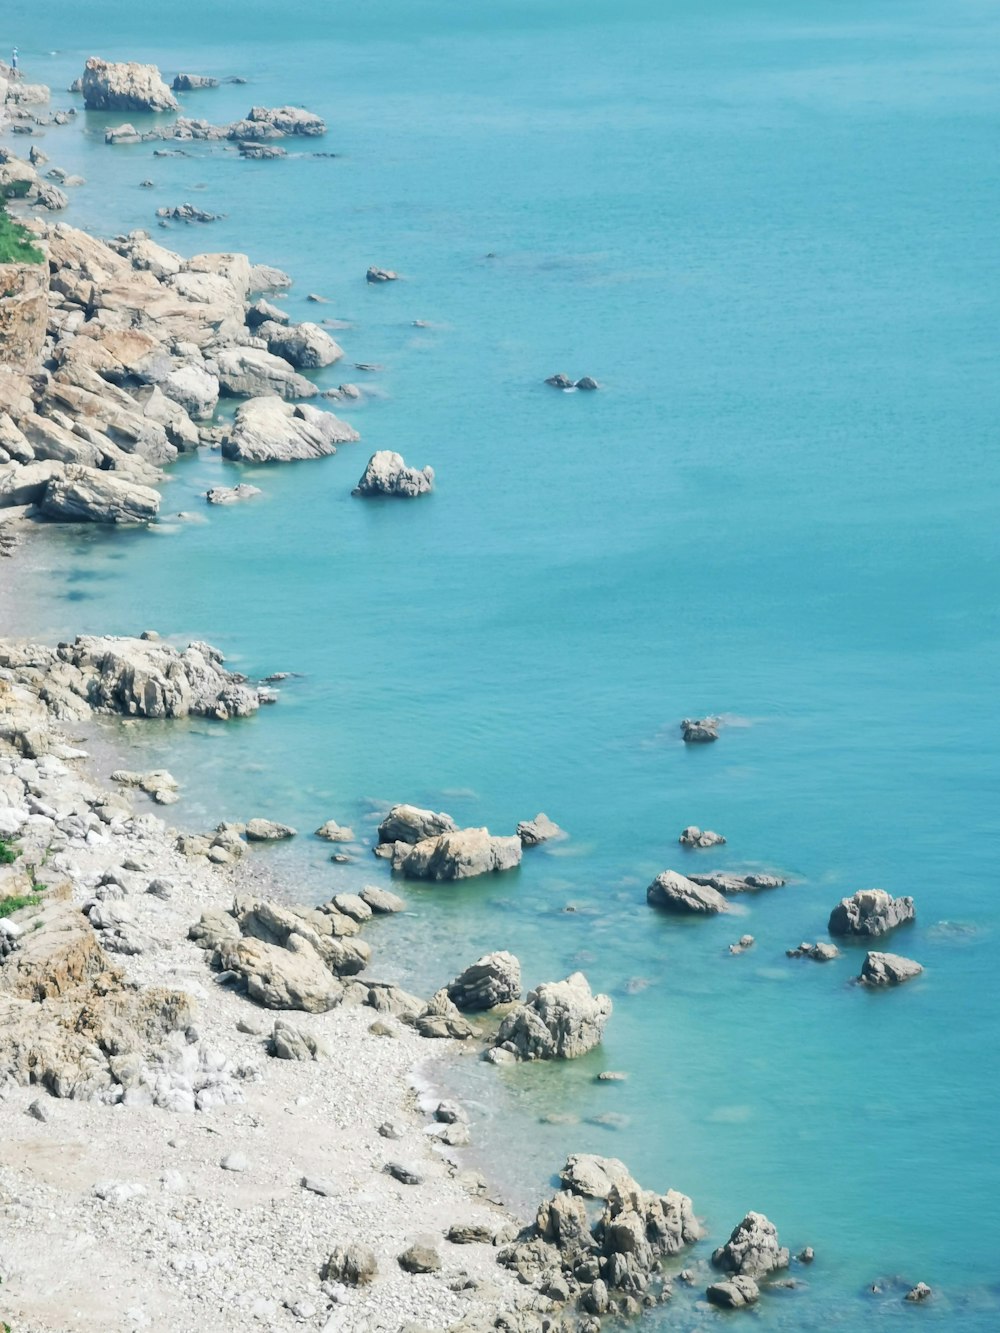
(888, 969)
(560, 381)
(724, 883)
(387, 474)
(331, 831)
(381, 275)
(560, 1020)
(820, 953)
(494, 980)
(870, 912)
(230, 495)
(676, 893)
(266, 830)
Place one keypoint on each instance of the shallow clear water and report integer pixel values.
(770, 234)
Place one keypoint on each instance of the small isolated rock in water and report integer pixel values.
(387, 474)
(266, 830)
(745, 942)
(820, 953)
(230, 495)
(697, 730)
(587, 383)
(594, 1177)
(870, 912)
(723, 883)
(560, 381)
(559, 1021)
(124, 86)
(187, 213)
(753, 1249)
(921, 1292)
(888, 969)
(677, 893)
(189, 83)
(733, 1294)
(353, 1265)
(331, 831)
(540, 829)
(380, 275)
(408, 823)
(807, 1255)
(693, 836)
(420, 1259)
(494, 980)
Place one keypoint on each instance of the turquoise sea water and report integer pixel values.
(770, 232)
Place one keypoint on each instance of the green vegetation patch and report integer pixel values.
(16, 241)
(8, 906)
(8, 854)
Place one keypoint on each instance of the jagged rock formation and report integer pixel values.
(560, 1020)
(870, 912)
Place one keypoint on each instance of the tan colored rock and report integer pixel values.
(24, 312)
(124, 86)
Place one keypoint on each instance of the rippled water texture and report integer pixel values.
(769, 230)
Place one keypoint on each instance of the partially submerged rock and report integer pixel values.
(410, 824)
(699, 730)
(870, 912)
(888, 969)
(267, 430)
(560, 1020)
(693, 836)
(677, 893)
(83, 495)
(538, 830)
(594, 1177)
(733, 1294)
(726, 883)
(230, 495)
(375, 274)
(331, 831)
(387, 474)
(753, 1249)
(267, 830)
(460, 855)
(494, 980)
(819, 953)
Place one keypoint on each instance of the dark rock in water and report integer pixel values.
(700, 730)
(888, 969)
(693, 836)
(870, 912)
(677, 893)
(723, 883)
(493, 980)
(538, 830)
(820, 953)
(387, 474)
(807, 1255)
(560, 382)
(380, 275)
(189, 83)
(147, 184)
(187, 213)
(735, 1294)
(753, 1249)
(587, 383)
(921, 1292)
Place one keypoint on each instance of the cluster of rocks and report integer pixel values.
(113, 362)
(693, 836)
(752, 1252)
(387, 474)
(611, 1265)
(703, 894)
(424, 845)
(564, 382)
(870, 912)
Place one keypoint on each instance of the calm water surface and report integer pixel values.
(770, 232)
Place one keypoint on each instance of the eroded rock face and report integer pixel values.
(410, 824)
(387, 474)
(700, 730)
(888, 969)
(676, 893)
(267, 430)
(594, 1177)
(560, 1020)
(726, 883)
(24, 313)
(541, 829)
(305, 346)
(124, 86)
(693, 836)
(460, 855)
(250, 372)
(85, 495)
(493, 980)
(870, 912)
(753, 1249)
(353, 1265)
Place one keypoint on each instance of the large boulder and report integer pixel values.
(559, 1021)
(410, 824)
(264, 122)
(677, 893)
(461, 855)
(24, 312)
(249, 372)
(870, 912)
(267, 430)
(387, 474)
(594, 1177)
(124, 86)
(26, 483)
(305, 346)
(888, 969)
(283, 978)
(752, 1249)
(493, 980)
(194, 388)
(734, 1293)
(84, 495)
